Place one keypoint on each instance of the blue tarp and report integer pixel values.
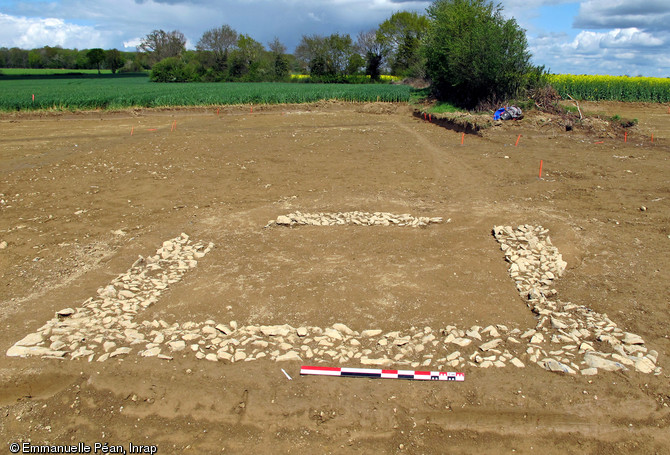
(508, 113)
(498, 113)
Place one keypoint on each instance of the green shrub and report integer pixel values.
(172, 69)
(473, 54)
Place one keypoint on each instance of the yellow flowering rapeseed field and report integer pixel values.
(383, 77)
(614, 88)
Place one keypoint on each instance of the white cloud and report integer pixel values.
(261, 19)
(533, 3)
(29, 33)
(619, 51)
(132, 43)
(588, 42)
(314, 17)
(608, 14)
(630, 38)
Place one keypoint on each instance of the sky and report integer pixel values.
(616, 37)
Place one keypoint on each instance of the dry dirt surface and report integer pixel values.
(81, 199)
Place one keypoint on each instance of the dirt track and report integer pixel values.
(71, 183)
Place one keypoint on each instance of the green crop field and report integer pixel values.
(612, 88)
(114, 92)
(46, 71)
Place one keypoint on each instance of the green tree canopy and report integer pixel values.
(401, 35)
(280, 61)
(160, 44)
(246, 58)
(171, 69)
(96, 57)
(310, 52)
(114, 60)
(326, 55)
(218, 40)
(474, 54)
(35, 59)
(374, 51)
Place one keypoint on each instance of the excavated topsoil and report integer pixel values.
(81, 197)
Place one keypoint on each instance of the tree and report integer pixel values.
(373, 50)
(409, 61)
(114, 60)
(95, 57)
(280, 61)
(402, 34)
(18, 58)
(310, 53)
(474, 54)
(355, 64)
(69, 57)
(245, 59)
(219, 41)
(160, 44)
(340, 50)
(325, 56)
(35, 59)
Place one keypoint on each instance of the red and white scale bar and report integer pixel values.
(383, 374)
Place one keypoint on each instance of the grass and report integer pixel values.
(114, 92)
(443, 108)
(623, 122)
(422, 99)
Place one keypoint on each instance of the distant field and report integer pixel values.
(47, 71)
(612, 88)
(55, 89)
(113, 92)
(382, 78)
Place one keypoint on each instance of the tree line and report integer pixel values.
(58, 58)
(468, 50)
(223, 54)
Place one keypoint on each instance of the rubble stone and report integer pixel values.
(564, 337)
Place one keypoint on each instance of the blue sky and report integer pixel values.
(580, 37)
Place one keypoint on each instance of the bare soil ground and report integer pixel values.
(70, 183)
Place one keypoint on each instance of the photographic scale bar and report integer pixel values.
(383, 374)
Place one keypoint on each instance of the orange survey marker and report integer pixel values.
(462, 138)
(517, 141)
(540, 170)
